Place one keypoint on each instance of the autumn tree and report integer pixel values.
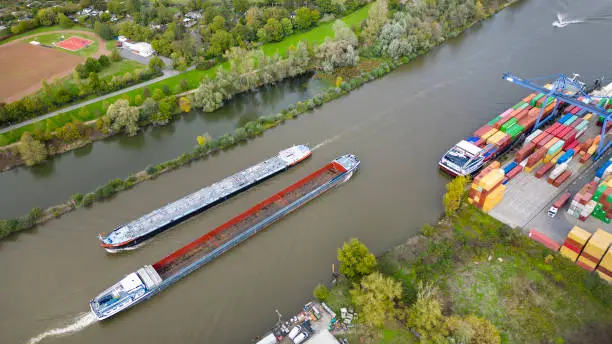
(471, 330)
(123, 116)
(376, 296)
(31, 150)
(455, 189)
(340, 51)
(103, 124)
(156, 64)
(185, 104)
(425, 315)
(377, 16)
(355, 260)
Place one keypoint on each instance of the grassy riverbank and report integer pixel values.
(193, 78)
(482, 267)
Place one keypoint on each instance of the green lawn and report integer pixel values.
(121, 67)
(193, 78)
(42, 30)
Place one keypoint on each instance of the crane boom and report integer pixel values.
(558, 92)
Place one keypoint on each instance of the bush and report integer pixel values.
(321, 292)
(151, 170)
(36, 213)
(77, 198)
(89, 199)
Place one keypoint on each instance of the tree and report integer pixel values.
(184, 104)
(156, 64)
(287, 26)
(303, 18)
(340, 51)
(425, 315)
(479, 11)
(31, 150)
(92, 65)
(355, 260)
(244, 32)
(220, 42)
(64, 21)
(273, 30)
(471, 330)
(455, 189)
(321, 292)
(377, 16)
(157, 94)
(46, 16)
(218, 23)
(253, 17)
(376, 296)
(93, 81)
(149, 107)
(138, 100)
(104, 30)
(103, 124)
(115, 56)
(104, 61)
(123, 116)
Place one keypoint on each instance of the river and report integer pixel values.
(398, 126)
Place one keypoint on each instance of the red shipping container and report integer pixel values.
(539, 138)
(562, 178)
(504, 142)
(570, 135)
(483, 130)
(545, 140)
(542, 170)
(570, 145)
(501, 122)
(527, 123)
(576, 122)
(513, 172)
(584, 158)
(575, 110)
(570, 108)
(553, 127)
(544, 240)
(480, 143)
(558, 130)
(524, 152)
(521, 114)
(564, 131)
(536, 157)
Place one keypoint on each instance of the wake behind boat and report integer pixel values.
(132, 235)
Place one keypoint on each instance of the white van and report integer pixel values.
(294, 332)
(300, 337)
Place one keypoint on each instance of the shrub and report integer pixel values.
(77, 198)
(89, 199)
(151, 170)
(36, 213)
(321, 292)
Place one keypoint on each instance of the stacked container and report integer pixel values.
(576, 239)
(582, 205)
(605, 267)
(487, 189)
(594, 250)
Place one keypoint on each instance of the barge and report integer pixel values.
(147, 281)
(130, 235)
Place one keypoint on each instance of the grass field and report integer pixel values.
(316, 35)
(42, 30)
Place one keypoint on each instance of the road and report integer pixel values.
(166, 75)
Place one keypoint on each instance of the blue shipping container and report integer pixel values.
(602, 169)
(509, 167)
(566, 156)
(565, 118)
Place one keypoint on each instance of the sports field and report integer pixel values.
(74, 43)
(24, 66)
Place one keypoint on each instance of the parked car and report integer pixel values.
(300, 337)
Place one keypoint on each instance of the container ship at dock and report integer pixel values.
(502, 133)
(147, 281)
(130, 235)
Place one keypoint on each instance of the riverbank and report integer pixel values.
(479, 266)
(249, 130)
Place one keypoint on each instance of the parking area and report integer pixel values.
(128, 54)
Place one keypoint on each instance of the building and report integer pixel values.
(143, 49)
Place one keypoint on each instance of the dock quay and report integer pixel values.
(311, 325)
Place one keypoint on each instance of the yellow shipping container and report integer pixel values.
(597, 246)
(556, 157)
(495, 138)
(586, 263)
(495, 164)
(493, 178)
(488, 134)
(588, 116)
(605, 266)
(529, 169)
(569, 254)
(592, 149)
(579, 235)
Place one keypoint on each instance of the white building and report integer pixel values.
(143, 49)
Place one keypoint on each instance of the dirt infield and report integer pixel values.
(24, 66)
(74, 43)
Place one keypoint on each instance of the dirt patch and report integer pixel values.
(23, 67)
(592, 333)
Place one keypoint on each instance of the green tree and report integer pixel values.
(36, 213)
(31, 150)
(455, 189)
(104, 61)
(321, 292)
(218, 23)
(220, 42)
(355, 260)
(303, 19)
(104, 30)
(241, 5)
(273, 30)
(123, 116)
(46, 16)
(157, 94)
(64, 21)
(479, 11)
(138, 100)
(376, 296)
(287, 26)
(156, 64)
(93, 81)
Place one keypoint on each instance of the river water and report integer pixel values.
(398, 126)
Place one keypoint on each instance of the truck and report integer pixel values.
(552, 212)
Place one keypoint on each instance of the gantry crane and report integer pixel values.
(567, 90)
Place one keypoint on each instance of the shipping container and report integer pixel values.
(543, 170)
(561, 178)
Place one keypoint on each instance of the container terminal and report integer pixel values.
(132, 234)
(147, 281)
(555, 179)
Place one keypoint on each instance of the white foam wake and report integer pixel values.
(79, 323)
(563, 21)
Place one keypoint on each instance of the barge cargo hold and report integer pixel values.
(151, 279)
(128, 236)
